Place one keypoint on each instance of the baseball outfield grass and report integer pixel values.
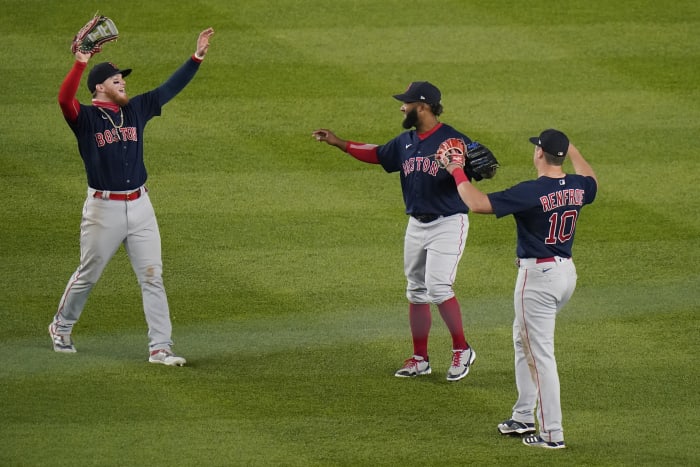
(283, 256)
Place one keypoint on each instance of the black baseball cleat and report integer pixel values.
(536, 441)
(513, 427)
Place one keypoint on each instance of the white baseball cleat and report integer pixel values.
(166, 357)
(61, 342)
(414, 366)
(461, 362)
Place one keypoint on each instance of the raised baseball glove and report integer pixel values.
(96, 32)
(481, 161)
(451, 151)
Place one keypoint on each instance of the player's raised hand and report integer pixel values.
(203, 42)
(82, 56)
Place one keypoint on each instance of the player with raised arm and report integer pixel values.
(118, 210)
(546, 211)
(437, 228)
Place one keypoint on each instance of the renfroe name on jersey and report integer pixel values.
(561, 198)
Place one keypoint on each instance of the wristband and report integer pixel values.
(459, 176)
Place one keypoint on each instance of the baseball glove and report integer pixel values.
(451, 152)
(481, 161)
(96, 32)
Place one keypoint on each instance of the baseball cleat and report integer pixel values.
(166, 357)
(414, 366)
(536, 441)
(461, 362)
(61, 342)
(513, 427)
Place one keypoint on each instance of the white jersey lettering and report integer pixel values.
(421, 164)
(562, 198)
(114, 135)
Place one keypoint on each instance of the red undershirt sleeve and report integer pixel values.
(362, 152)
(69, 88)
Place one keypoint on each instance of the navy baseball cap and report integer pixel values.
(101, 72)
(552, 141)
(420, 91)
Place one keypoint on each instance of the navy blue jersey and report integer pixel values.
(112, 150)
(545, 212)
(426, 188)
(113, 157)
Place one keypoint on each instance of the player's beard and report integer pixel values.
(410, 119)
(118, 98)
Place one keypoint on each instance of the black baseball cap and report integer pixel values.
(420, 91)
(101, 72)
(552, 141)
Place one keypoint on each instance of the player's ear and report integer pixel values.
(538, 153)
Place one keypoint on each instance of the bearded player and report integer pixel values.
(437, 225)
(118, 210)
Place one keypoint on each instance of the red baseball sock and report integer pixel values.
(420, 319)
(452, 315)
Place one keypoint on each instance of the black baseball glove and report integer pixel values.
(481, 161)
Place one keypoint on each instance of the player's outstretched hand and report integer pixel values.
(325, 135)
(203, 42)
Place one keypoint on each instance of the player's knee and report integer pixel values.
(440, 293)
(151, 275)
(417, 296)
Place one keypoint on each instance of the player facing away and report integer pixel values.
(438, 223)
(118, 209)
(546, 211)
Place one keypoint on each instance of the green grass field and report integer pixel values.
(283, 257)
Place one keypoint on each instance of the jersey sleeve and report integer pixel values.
(591, 187)
(511, 200)
(178, 80)
(389, 154)
(147, 105)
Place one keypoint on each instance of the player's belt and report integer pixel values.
(529, 262)
(425, 218)
(136, 194)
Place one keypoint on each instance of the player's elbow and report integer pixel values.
(482, 210)
(481, 205)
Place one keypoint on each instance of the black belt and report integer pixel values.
(425, 218)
